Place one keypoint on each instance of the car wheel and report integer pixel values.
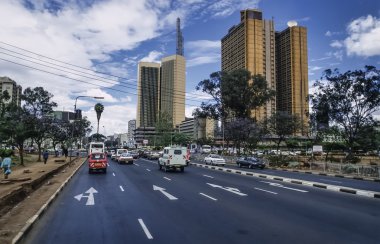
(182, 169)
(159, 166)
(104, 171)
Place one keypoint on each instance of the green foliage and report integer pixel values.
(164, 130)
(6, 152)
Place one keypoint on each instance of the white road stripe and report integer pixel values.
(208, 176)
(281, 186)
(166, 178)
(113, 174)
(108, 164)
(121, 188)
(145, 229)
(137, 164)
(148, 170)
(265, 190)
(208, 196)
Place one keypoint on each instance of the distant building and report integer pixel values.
(144, 133)
(65, 116)
(131, 130)
(198, 128)
(14, 90)
(148, 77)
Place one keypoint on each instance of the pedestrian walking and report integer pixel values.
(66, 152)
(45, 155)
(6, 165)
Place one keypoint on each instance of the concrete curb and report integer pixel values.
(349, 190)
(327, 174)
(30, 222)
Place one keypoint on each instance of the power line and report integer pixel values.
(119, 77)
(82, 81)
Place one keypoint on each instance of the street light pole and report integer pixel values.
(72, 130)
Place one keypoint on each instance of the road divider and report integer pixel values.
(360, 192)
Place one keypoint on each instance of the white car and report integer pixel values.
(215, 159)
(125, 158)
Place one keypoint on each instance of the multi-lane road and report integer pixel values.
(140, 204)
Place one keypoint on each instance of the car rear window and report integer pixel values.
(97, 156)
(177, 152)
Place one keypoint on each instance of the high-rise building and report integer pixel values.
(131, 129)
(172, 88)
(251, 45)
(148, 77)
(292, 73)
(14, 90)
(179, 47)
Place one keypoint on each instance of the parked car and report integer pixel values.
(135, 155)
(250, 162)
(215, 159)
(125, 158)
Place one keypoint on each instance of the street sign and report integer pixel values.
(317, 148)
(145, 142)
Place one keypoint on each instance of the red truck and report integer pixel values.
(97, 162)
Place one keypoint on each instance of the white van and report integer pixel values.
(173, 158)
(96, 147)
(206, 149)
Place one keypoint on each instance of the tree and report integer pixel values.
(39, 105)
(282, 125)
(99, 108)
(181, 139)
(59, 133)
(164, 130)
(348, 100)
(97, 137)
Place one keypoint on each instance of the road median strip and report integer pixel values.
(365, 193)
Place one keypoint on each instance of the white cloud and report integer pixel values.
(337, 55)
(364, 37)
(332, 33)
(153, 56)
(336, 44)
(203, 52)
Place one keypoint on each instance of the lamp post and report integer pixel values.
(75, 110)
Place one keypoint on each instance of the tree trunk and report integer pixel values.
(39, 151)
(21, 154)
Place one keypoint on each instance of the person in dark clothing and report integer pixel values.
(45, 156)
(65, 152)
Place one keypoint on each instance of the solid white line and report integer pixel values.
(121, 188)
(208, 196)
(148, 170)
(166, 178)
(208, 176)
(147, 233)
(113, 174)
(137, 164)
(265, 190)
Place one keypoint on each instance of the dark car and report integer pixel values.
(250, 162)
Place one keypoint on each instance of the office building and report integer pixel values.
(292, 73)
(131, 129)
(251, 45)
(198, 128)
(14, 90)
(172, 88)
(147, 93)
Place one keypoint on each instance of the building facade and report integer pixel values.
(131, 130)
(251, 45)
(148, 76)
(172, 88)
(292, 73)
(14, 90)
(198, 128)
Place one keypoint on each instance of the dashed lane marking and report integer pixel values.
(148, 170)
(272, 192)
(208, 176)
(145, 229)
(113, 174)
(121, 188)
(137, 164)
(166, 178)
(208, 196)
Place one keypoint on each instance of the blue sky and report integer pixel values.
(113, 36)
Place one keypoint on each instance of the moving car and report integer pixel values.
(153, 155)
(173, 158)
(125, 158)
(215, 159)
(250, 162)
(119, 152)
(97, 162)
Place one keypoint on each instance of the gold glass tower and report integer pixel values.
(292, 73)
(251, 45)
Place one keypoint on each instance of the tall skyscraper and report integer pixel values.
(251, 45)
(172, 87)
(292, 72)
(148, 76)
(131, 129)
(179, 49)
(14, 90)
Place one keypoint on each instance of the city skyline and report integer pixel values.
(83, 34)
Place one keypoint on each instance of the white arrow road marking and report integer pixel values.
(208, 196)
(265, 190)
(166, 178)
(162, 190)
(90, 197)
(281, 186)
(148, 170)
(233, 190)
(208, 176)
(121, 188)
(145, 229)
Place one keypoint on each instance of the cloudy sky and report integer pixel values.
(92, 47)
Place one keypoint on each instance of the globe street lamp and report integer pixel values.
(75, 111)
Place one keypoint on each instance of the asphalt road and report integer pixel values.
(201, 206)
(325, 179)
